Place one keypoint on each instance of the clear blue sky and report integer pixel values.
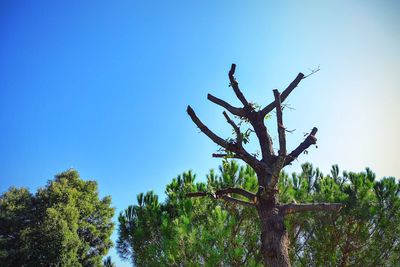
(102, 86)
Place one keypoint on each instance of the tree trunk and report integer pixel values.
(274, 239)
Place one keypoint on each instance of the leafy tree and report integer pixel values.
(185, 231)
(16, 218)
(271, 212)
(63, 224)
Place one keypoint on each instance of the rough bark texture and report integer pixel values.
(274, 239)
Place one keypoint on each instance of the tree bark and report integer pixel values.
(274, 239)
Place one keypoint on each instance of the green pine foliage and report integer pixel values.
(192, 231)
(365, 233)
(63, 224)
(184, 231)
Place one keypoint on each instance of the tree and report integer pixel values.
(271, 213)
(63, 224)
(16, 207)
(185, 231)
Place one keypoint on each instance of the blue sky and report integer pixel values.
(102, 86)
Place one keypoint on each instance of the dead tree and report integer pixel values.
(271, 213)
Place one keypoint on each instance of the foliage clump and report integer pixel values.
(64, 224)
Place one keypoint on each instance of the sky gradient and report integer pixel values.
(103, 86)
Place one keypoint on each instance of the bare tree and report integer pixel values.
(271, 213)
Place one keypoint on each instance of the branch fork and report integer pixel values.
(270, 164)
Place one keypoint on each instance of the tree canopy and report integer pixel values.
(185, 231)
(64, 223)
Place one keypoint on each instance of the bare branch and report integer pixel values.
(284, 94)
(310, 140)
(234, 110)
(235, 86)
(235, 127)
(238, 150)
(224, 197)
(291, 86)
(235, 190)
(279, 120)
(293, 208)
(225, 156)
(215, 138)
(264, 138)
(238, 201)
(313, 71)
(290, 131)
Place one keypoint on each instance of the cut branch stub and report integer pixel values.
(281, 128)
(284, 94)
(310, 140)
(235, 127)
(225, 155)
(234, 110)
(293, 208)
(215, 138)
(235, 86)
